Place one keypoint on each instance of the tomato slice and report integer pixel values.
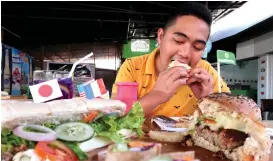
(90, 117)
(209, 121)
(138, 144)
(55, 151)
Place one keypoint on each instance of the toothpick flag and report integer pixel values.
(225, 57)
(92, 89)
(45, 91)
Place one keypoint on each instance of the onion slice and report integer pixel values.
(45, 133)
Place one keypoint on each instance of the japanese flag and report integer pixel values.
(45, 91)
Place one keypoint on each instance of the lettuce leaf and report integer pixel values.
(9, 141)
(76, 149)
(52, 126)
(109, 125)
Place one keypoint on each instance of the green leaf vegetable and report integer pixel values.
(76, 149)
(109, 126)
(50, 125)
(9, 141)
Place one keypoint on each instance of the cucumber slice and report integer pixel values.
(74, 131)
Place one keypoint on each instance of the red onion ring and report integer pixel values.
(49, 134)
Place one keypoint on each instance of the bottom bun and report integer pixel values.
(234, 155)
(164, 136)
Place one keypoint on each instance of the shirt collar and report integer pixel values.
(150, 64)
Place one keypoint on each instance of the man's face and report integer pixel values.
(184, 41)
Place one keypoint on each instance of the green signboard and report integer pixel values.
(137, 47)
(226, 57)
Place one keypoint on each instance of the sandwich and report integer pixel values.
(231, 126)
(65, 129)
(177, 63)
(133, 151)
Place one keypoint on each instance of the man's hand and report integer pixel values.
(164, 88)
(168, 82)
(200, 82)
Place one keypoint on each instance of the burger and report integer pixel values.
(231, 126)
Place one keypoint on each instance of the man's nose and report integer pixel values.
(185, 51)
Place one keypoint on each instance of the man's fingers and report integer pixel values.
(194, 79)
(172, 70)
(197, 71)
(177, 75)
(205, 78)
(178, 83)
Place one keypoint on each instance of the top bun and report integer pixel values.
(226, 102)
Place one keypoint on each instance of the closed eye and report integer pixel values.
(198, 49)
(178, 42)
(199, 46)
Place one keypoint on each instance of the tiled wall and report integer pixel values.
(245, 73)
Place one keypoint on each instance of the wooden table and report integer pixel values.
(200, 153)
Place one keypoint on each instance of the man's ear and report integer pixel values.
(160, 34)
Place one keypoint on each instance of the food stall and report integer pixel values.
(97, 128)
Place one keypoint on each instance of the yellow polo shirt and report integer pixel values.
(141, 69)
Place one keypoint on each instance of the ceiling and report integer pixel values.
(61, 22)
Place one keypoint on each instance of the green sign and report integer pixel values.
(137, 47)
(226, 57)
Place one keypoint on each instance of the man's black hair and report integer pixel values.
(190, 8)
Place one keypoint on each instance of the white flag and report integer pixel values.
(45, 91)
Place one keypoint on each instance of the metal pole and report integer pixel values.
(217, 6)
(84, 19)
(159, 4)
(69, 53)
(95, 10)
(11, 32)
(226, 10)
(115, 60)
(128, 29)
(219, 77)
(42, 57)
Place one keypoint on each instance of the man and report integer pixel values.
(175, 91)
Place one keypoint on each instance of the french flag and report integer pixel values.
(93, 89)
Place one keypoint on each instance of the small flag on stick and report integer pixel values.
(224, 57)
(45, 91)
(92, 89)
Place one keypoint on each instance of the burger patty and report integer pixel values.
(226, 139)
